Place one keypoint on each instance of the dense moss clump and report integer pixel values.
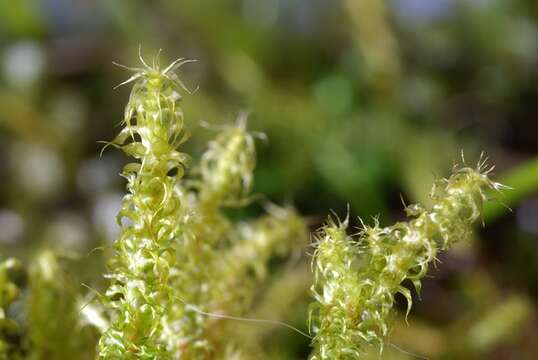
(179, 258)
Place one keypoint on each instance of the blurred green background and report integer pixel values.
(363, 102)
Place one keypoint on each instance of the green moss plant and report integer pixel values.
(179, 257)
(357, 278)
(182, 269)
(140, 291)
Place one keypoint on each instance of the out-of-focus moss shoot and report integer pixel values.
(224, 179)
(227, 165)
(211, 271)
(356, 279)
(10, 330)
(55, 329)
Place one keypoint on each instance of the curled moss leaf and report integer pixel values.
(356, 280)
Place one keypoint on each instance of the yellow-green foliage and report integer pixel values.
(139, 272)
(356, 279)
(181, 265)
(178, 256)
